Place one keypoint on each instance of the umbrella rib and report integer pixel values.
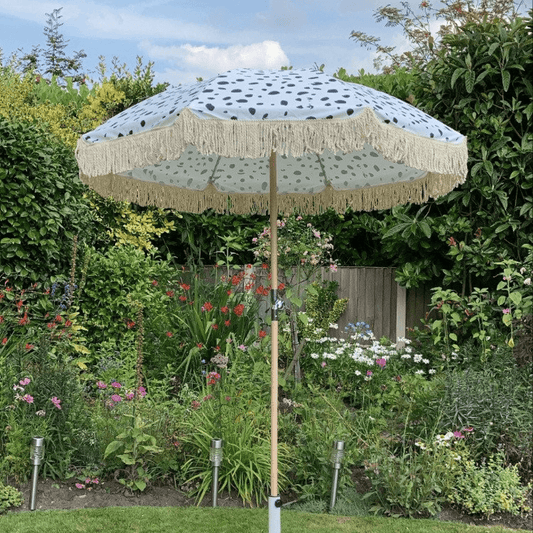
(212, 178)
(319, 159)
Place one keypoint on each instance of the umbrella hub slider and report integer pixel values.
(277, 304)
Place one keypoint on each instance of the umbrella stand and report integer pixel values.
(274, 502)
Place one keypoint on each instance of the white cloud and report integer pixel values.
(267, 55)
(283, 14)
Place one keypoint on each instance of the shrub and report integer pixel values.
(41, 203)
(490, 488)
(9, 497)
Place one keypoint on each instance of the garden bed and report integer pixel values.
(54, 495)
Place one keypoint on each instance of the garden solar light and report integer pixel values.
(216, 455)
(36, 455)
(337, 455)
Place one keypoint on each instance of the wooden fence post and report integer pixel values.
(401, 313)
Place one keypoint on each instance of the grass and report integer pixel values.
(220, 520)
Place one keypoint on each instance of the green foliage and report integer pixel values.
(115, 280)
(322, 308)
(399, 83)
(490, 487)
(497, 403)
(478, 86)
(41, 204)
(9, 497)
(246, 464)
(66, 95)
(135, 87)
(136, 447)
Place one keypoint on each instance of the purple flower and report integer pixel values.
(116, 398)
(116, 385)
(142, 392)
(101, 385)
(25, 381)
(381, 362)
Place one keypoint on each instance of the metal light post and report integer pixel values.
(36, 455)
(337, 454)
(216, 455)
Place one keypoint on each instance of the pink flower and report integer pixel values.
(195, 405)
(56, 401)
(95, 481)
(130, 395)
(27, 398)
(468, 429)
(80, 486)
(25, 381)
(116, 398)
(381, 362)
(142, 392)
(116, 385)
(323, 364)
(506, 311)
(458, 435)
(369, 372)
(228, 398)
(101, 385)
(88, 480)
(333, 268)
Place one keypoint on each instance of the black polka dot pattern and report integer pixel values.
(264, 95)
(249, 94)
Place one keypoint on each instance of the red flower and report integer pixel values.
(224, 309)
(281, 286)
(170, 294)
(200, 345)
(68, 323)
(1, 319)
(235, 280)
(4, 341)
(184, 286)
(130, 324)
(265, 291)
(238, 309)
(19, 304)
(249, 286)
(207, 306)
(259, 289)
(24, 320)
(227, 322)
(29, 346)
(215, 326)
(183, 298)
(154, 283)
(262, 334)
(229, 293)
(451, 241)
(264, 266)
(248, 266)
(59, 318)
(169, 334)
(50, 325)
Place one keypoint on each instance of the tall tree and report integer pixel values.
(56, 61)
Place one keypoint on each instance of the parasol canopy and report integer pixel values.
(278, 140)
(339, 144)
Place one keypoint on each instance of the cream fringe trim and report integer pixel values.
(100, 163)
(364, 199)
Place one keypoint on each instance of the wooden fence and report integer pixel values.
(375, 298)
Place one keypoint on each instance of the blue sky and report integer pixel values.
(191, 38)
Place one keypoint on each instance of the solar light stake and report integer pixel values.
(36, 455)
(216, 455)
(337, 454)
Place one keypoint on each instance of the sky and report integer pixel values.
(187, 39)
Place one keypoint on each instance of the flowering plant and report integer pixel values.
(300, 244)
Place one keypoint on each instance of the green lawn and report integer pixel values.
(207, 520)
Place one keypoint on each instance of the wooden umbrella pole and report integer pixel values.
(274, 327)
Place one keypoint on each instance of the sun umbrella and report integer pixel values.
(277, 140)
